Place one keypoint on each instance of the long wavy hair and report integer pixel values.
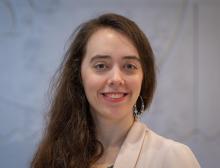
(69, 140)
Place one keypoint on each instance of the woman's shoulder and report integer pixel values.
(153, 138)
(171, 152)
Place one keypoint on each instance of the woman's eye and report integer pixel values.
(130, 67)
(100, 66)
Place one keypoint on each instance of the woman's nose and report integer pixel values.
(116, 77)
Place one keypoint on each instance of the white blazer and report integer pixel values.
(143, 148)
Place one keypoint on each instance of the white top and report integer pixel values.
(143, 148)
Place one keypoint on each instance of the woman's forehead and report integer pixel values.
(107, 41)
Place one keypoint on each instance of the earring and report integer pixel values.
(137, 112)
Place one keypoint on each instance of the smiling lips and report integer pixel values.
(114, 97)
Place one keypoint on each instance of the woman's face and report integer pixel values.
(112, 75)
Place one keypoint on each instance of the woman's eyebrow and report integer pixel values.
(100, 57)
(97, 57)
(132, 58)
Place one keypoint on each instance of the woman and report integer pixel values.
(107, 79)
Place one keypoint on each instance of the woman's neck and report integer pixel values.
(112, 133)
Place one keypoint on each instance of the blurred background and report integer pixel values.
(185, 36)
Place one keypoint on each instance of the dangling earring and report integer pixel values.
(135, 110)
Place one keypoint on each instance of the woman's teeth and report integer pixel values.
(114, 95)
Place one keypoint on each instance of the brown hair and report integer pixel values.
(70, 137)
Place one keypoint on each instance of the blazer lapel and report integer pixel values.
(130, 149)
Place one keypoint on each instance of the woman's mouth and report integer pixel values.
(114, 97)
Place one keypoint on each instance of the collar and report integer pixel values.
(131, 147)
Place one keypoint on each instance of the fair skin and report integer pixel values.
(112, 77)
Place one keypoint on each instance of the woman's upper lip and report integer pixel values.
(120, 92)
